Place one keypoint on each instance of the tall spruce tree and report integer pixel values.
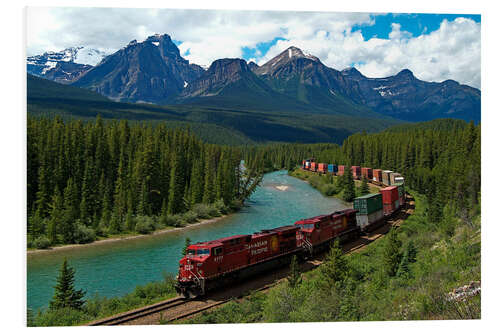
(294, 277)
(391, 252)
(65, 294)
(349, 186)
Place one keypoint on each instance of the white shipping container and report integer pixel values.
(364, 220)
(399, 180)
(308, 164)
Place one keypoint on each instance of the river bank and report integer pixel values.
(115, 268)
(121, 238)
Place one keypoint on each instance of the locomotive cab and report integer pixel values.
(193, 269)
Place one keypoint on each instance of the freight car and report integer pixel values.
(214, 264)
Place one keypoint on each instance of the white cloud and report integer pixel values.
(453, 51)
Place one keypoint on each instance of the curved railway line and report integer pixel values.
(180, 308)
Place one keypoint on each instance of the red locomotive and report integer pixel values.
(211, 265)
(214, 264)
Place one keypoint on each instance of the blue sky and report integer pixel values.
(435, 47)
(416, 24)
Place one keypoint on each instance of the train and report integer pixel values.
(215, 264)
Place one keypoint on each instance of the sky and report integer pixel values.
(435, 47)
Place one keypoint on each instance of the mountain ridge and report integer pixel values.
(154, 71)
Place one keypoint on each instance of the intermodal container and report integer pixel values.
(356, 171)
(386, 177)
(377, 175)
(314, 166)
(341, 170)
(367, 173)
(364, 220)
(368, 204)
(322, 167)
(389, 194)
(401, 194)
(332, 168)
(394, 175)
(399, 180)
(308, 165)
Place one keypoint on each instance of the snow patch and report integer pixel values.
(155, 43)
(289, 53)
(185, 84)
(49, 65)
(332, 92)
(381, 87)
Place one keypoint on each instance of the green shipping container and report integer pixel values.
(401, 190)
(368, 204)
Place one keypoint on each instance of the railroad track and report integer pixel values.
(141, 312)
(171, 310)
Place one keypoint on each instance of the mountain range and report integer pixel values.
(153, 71)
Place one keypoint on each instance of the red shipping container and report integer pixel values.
(323, 167)
(389, 194)
(356, 171)
(389, 208)
(341, 170)
(377, 174)
(314, 166)
(367, 173)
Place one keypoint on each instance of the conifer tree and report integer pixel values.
(334, 268)
(65, 295)
(56, 216)
(364, 187)
(294, 277)
(349, 186)
(391, 253)
(187, 242)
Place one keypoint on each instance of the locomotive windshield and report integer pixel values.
(191, 252)
(202, 252)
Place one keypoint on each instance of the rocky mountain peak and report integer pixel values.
(352, 72)
(405, 73)
(228, 66)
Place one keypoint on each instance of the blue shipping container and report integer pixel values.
(332, 168)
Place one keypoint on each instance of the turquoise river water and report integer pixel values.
(115, 268)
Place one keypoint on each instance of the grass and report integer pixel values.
(443, 262)
(327, 184)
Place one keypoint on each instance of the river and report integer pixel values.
(115, 268)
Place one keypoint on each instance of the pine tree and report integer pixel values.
(404, 268)
(349, 186)
(56, 216)
(334, 268)
(187, 242)
(391, 253)
(294, 277)
(412, 252)
(65, 295)
(364, 186)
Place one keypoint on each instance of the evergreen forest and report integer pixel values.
(93, 179)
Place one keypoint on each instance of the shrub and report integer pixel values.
(190, 217)
(144, 225)
(61, 317)
(168, 220)
(41, 242)
(213, 211)
(202, 210)
(84, 234)
(329, 189)
(221, 207)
